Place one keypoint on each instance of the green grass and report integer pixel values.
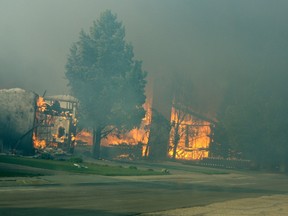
(16, 173)
(67, 166)
(202, 170)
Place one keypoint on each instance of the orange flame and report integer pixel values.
(84, 136)
(133, 137)
(193, 134)
(41, 104)
(39, 144)
(136, 135)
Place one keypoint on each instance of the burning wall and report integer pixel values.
(56, 123)
(189, 134)
(192, 135)
(17, 113)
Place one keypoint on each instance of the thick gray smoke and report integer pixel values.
(203, 42)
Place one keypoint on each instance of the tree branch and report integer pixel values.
(104, 134)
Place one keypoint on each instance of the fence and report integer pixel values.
(225, 163)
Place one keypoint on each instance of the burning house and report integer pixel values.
(29, 122)
(190, 135)
(56, 123)
(185, 136)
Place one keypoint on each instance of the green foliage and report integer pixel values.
(105, 77)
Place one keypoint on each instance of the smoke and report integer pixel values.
(204, 42)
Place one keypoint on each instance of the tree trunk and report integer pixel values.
(175, 140)
(96, 142)
(158, 141)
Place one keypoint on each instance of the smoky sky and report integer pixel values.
(202, 42)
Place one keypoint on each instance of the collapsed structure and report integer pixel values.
(56, 123)
(28, 122)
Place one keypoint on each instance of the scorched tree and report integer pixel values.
(109, 83)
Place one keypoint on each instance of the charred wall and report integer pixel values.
(17, 114)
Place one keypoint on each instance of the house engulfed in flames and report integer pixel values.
(191, 133)
(28, 122)
(55, 123)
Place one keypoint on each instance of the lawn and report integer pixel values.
(67, 166)
(16, 173)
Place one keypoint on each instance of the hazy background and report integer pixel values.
(200, 44)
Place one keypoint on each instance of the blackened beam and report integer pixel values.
(197, 115)
(25, 134)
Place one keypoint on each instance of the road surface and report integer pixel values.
(70, 194)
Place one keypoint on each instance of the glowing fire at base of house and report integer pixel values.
(137, 136)
(134, 137)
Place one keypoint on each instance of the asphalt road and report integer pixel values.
(65, 194)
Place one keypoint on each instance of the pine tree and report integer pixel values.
(108, 81)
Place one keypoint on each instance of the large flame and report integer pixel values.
(135, 136)
(39, 144)
(41, 104)
(193, 135)
(84, 137)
